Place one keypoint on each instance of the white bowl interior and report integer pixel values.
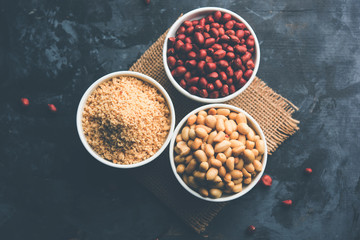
(194, 15)
(247, 188)
(93, 87)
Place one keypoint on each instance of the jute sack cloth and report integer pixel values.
(269, 109)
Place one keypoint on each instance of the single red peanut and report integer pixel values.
(209, 59)
(224, 38)
(171, 42)
(52, 107)
(203, 82)
(218, 84)
(250, 64)
(209, 42)
(239, 34)
(224, 90)
(229, 25)
(199, 38)
(221, 31)
(214, 94)
(193, 90)
(200, 66)
(229, 81)
(252, 50)
(248, 74)
(193, 81)
(242, 41)
(179, 62)
(181, 37)
(188, 40)
(215, 25)
(187, 23)
(247, 33)
(238, 75)
(308, 171)
(222, 64)
(246, 57)
(202, 54)
(219, 54)
(230, 32)
(203, 93)
(251, 229)
(199, 28)
(266, 180)
(287, 202)
(229, 71)
(242, 82)
(243, 68)
(202, 22)
(223, 76)
(170, 52)
(182, 83)
(250, 41)
(209, 19)
(210, 87)
(210, 51)
(232, 89)
(178, 45)
(214, 32)
(189, 30)
(213, 76)
(210, 67)
(25, 102)
(192, 55)
(180, 71)
(187, 76)
(217, 16)
(195, 22)
(171, 61)
(207, 28)
(186, 47)
(239, 25)
(237, 63)
(234, 39)
(229, 48)
(216, 47)
(230, 56)
(226, 17)
(191, 64)
(240, 49)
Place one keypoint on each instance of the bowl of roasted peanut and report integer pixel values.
(218, 152)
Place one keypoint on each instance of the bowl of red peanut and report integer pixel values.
(218, 152)
(211, 55)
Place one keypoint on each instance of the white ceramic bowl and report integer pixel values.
(93, 87)
(198, 14)
(225, 198)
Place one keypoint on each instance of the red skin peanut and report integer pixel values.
(217, 16)
(199, 38)
(183, 83)
(308, 171)
(217, 84)
(210, 87)
(287, 202)
(219, 54)
(193, 81)
(193, 90)
(52, 107)
(251, 229)
(171, 61)
(25, 102)
(224, 91)
(203, 93)
(266, 180)
(248, 74)
(223, 64)
(203, 82)
(209, 42)
(180, 71)
(214, 94)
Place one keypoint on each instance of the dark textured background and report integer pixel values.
(51, 188)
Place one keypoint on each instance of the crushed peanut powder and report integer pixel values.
(126, 120)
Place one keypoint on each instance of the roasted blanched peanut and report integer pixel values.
(210, 121)
(260, 146)
(200, 155)
(222, 146)
(180, 169)
(185, 133)
(219, 137)
(218, 151)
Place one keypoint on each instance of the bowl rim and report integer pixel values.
(248, 187)
(200, 12)
(90, 90)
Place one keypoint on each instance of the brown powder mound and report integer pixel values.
(126, 120)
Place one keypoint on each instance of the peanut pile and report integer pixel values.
(217, 152)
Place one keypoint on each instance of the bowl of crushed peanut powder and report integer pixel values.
(125, 119)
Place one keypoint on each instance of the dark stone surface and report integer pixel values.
(50, 187)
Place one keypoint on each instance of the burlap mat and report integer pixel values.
(270, 110)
